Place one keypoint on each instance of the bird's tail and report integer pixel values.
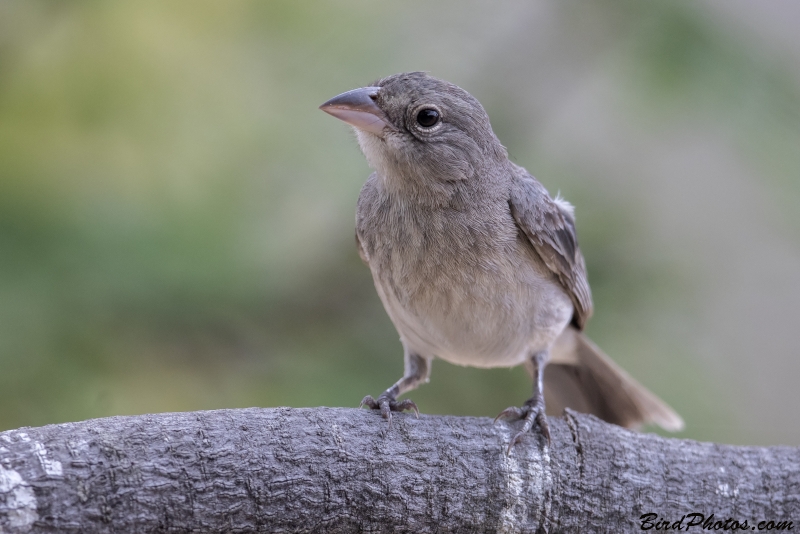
(581, 377)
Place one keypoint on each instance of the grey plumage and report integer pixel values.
(474, 261)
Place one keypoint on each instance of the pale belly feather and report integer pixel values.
(495, 310)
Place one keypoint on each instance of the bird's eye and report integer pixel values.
(427, 117)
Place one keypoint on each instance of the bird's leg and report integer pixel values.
(417, 370)
(533, 409)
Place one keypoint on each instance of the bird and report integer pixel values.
(474, 261)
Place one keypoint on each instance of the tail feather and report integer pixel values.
(581, 377)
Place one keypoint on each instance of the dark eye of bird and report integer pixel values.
(427, 117)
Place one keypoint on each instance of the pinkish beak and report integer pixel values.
(358, 108)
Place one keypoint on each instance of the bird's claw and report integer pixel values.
(387, 405)
(531, 412)
(512, 412)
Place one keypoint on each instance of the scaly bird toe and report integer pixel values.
(387, 405)
(531, 412)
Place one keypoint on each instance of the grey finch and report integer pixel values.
(473, 260)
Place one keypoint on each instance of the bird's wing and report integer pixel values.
(365, 212)
(550, 227)
(361, 251)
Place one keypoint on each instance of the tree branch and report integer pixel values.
(346, 470)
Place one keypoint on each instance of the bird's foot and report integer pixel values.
(531, 412)
(387, 405)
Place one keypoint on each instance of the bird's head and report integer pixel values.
(413, 126)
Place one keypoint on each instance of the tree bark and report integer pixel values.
(346, 470)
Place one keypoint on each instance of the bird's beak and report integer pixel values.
(358, 108)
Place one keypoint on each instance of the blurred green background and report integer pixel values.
(176, 216)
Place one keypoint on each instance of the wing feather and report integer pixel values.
(549, 225)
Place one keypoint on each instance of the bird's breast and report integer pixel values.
(465, 285)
